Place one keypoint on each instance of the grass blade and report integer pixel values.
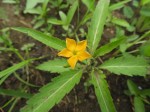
(13, 68)
(15, 93)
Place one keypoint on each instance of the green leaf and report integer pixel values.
(97, 24)
(55, 21)
(15, 93)
(4, 78)
(56, 65)
(53, 92)
(118, 5)
(38, 24)
(145, 11)
(128, 12)
(145, 49)
(102, 92)
(63, 16)
(127, 65)
(90, 4)
(120, 22)
(13, 68)
(10, 1)
(132, 87)
(7, 72)
(145, 92)
(71, 12)
(138, 105)
(144, 2)
(45, 39)
(37, 10)
(30, 4)
(108, 47)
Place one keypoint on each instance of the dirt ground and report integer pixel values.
(79, 99)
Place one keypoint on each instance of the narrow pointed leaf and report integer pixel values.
(90, 4)
(133, 87)
(57, 65)
(97, 23)
(120, 22)
(138, 105)
(108, 47)
(118, 5)
(53, 92)
(102, 92)
(127, 65)
(15, 93)
(45, 39)
(13, 68)
(145, 92)
(71, 12)
(55, 21)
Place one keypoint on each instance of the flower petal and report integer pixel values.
(65, 53)
(72, 61)
(71, 44)
(83, 55)
(81, 46)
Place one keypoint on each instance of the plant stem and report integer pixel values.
(136, 41)
(13, 105)
(21, 80)
(7, 103)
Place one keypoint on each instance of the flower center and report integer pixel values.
(75, 52)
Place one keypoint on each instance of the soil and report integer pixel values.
(80, 99)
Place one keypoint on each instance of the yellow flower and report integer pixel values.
(75, 51)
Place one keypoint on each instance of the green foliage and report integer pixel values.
(120, 22)
(145, 92)
(102, 92)
(127, 65)
(53, 92)
(144, 2)
(71, 12)
(133, 88)
(118, 5)
(5, 73)
(15, 93)
(128, 12)
(139, 96)
(97, 24)
(138, 104)
(135, 91)
(45, 39)
(145, 49)
(65, 18)
(145, 11)
(89, 4)
(58, 4)
(27, 46)
(30, 5)
(108, 47)
(40, 9)
(56, 65)
(55, 21)
(11, 1)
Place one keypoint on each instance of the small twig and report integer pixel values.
(13, 105)
(1, 109)
(100, 59)
(7, 103)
